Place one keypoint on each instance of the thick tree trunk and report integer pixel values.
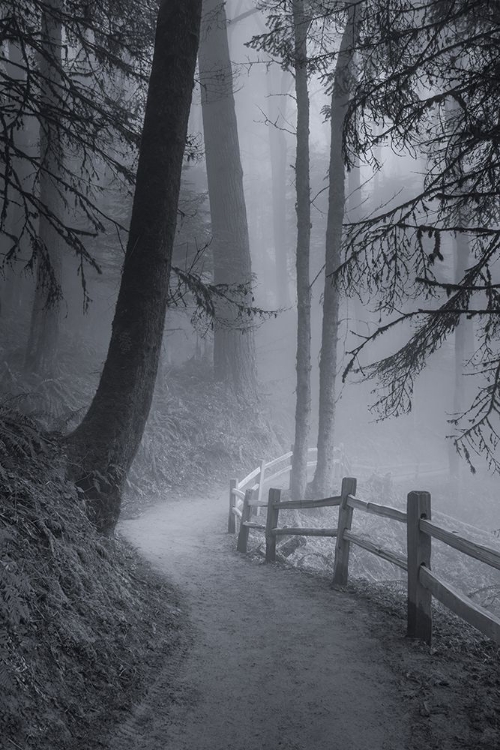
(298, 478)
(103, 447)
(234, 350)
(43, 338)
(324, 477)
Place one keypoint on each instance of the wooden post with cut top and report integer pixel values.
(342, 546)
(245, 516)
(272, 523)
(419, 554)
(231, 521)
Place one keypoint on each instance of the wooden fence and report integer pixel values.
(423, 583)
(279, 467)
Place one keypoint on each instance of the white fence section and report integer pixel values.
(268, 472)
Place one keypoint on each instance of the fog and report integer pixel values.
(249, 374)
(412, 444)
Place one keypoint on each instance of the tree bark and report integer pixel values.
(234, 350)
(298, 477)
(324, 476)
(103, 447)
(41, 350)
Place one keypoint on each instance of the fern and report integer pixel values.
(20, 437)
(14, 588)
(6, 680)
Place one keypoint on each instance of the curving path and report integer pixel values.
(279, 661)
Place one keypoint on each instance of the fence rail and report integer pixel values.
(423, 583)
(261, 474)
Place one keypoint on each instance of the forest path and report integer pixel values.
(279, 661)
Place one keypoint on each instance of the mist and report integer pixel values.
(249, 371)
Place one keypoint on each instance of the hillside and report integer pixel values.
(94, 639)
(83, 619)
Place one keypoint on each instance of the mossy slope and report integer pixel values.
(83, 620)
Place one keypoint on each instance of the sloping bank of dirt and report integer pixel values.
(279, 660)
(83, 620)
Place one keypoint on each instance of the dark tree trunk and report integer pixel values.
(324, 476)
(298, 478)
(41, 350)
(103, 447)
(234, 351)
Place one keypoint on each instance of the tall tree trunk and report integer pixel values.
(324, 476)
(234, 351)
(278, 149)
(103, 447)
(298, 478)
(357, 313)
(464, 333)
(44, 328)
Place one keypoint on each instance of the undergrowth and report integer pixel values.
(198, 431)
(82, 619)
(197, 434)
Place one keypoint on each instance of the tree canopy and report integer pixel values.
(91, 96)
(427, 83)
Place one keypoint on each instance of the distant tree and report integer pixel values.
(462, 337)
(234, 349)
(103, 447)
(298, 479)
(23, 139)
(301, 45)
(44, 327)
(324, 477)
(291, 36)
(278, 85)
(71, 104)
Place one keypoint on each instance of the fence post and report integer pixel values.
(271, 523)
(261, 484)
(231, 520)
(342, 546)
(245, 516)
(419, 553)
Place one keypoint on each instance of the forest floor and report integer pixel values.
(279, 660)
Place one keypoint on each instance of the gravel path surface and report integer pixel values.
(279, 661)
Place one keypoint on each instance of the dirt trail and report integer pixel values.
(279, 660)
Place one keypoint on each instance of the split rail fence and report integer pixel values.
(423, 583)
(278, 467)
